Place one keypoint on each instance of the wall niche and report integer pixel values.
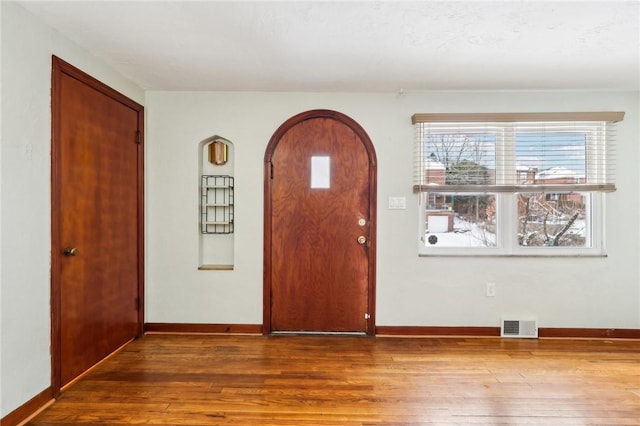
(216, 188)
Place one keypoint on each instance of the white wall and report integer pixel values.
(411, 291)
(27, 46)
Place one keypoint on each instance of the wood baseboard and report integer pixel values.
(165, 327)
(591, 333)
(569, 333)
(392, 330)
(29, 408)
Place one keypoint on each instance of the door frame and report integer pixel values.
(267, 240)
(60, 67)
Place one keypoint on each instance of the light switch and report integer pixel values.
(397, 203)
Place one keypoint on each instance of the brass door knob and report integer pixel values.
(362, 239)
(70, 251)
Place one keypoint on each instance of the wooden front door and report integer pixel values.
(97, 232)
(320, 181)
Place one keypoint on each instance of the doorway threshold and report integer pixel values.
(318, 333)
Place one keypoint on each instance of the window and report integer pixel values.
(513, 184)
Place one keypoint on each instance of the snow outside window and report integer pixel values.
(513, 184)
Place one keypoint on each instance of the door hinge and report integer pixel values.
(271, 170)
(138, 137)
(367, 316)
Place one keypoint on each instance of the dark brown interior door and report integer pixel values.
(96, 218)
(320, 226)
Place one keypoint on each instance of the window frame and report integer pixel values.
(507, 227)
(507, 216)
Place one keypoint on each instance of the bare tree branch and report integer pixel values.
(565, 228)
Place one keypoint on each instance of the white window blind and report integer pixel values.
(515, 152)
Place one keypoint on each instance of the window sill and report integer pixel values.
(215, 268)
(523, 255)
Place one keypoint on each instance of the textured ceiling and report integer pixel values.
(358, 46)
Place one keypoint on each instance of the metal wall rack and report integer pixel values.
(216, 204)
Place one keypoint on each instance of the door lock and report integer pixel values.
(362, 239)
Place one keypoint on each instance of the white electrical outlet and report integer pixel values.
(491, 289)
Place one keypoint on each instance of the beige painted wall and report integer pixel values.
(411, 291)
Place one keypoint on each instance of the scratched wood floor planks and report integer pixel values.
(179, 379)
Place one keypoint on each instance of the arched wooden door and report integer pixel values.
(320, 226)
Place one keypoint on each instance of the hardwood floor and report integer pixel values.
(338, 380)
